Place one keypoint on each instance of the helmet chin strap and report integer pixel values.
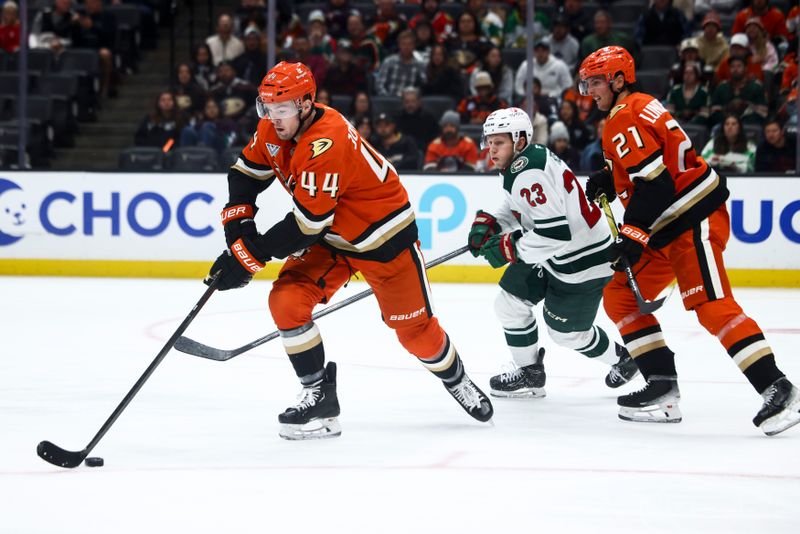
(303, 120)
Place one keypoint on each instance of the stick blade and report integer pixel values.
(195, 348)
(52, 453)
(648, 307)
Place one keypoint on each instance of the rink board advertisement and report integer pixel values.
(167, 225)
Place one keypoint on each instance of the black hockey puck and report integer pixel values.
(94, 461)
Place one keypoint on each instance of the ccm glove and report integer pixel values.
(237, 265)
(628, 246)
(237, 220)
(501, 249)
(601, 181)
(483, 227)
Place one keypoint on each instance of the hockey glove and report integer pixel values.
(601, 181)
(628, 245)
(501, 249)
(483, 227)
(237, 265)
(237, 220)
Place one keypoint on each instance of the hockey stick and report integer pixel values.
(645, 306)
(54, 454)
(190, 346)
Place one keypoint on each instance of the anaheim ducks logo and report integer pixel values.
(616, 109)
(320, 146)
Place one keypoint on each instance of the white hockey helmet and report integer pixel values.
(509, 120)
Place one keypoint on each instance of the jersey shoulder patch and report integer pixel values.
(534, 157)
(320, 146)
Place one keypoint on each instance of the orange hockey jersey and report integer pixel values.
(641, 139)
(342, 188)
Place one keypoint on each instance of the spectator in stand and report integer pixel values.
(661, 24)
(740, 48)
(366, 49)
(55, 27)
(563, 45)
(367, 130)
(97, 29)
(224, 45)
(468, 45)
(301, 47)
(233, 94)
(424, 41)
(253, 13)
(162, 127)
(251, 65)
(552, 72)
(345, 76)
(9, 27)
(546, 104)
(323, 97)
(762, 50)
(689, 53)
(336, 15)
(711, 44)
(322, 44)
(777, 152)
(739, 95)
(400, 150)
(475, 109)
(414, 121)
(210, 129)
(189, 96)
(491, 23)
(688, 101)
(441, 21)
(580, 23)
(515, 31)
(579, 133)
(559, 145)
(388, 24)
(604, 35)
(730, 151)
(361, 106)
(402, 69)
(203, 71)
(502, 75)
(442, 76)
(592, 156)
(771, 17)
(451, 152)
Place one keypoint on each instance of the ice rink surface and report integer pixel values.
(197, 450)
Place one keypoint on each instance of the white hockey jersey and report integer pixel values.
(562, 231)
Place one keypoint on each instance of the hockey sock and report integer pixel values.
(523, 343)
(306, 352)
(648, 347)
(446, 365)
(599, 347)
(754, 357)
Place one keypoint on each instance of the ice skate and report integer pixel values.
(315, 415)
(656, 402)
(471, 398)
(781, 408)
(520, 382)
(623, 371)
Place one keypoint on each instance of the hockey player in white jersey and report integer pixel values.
(554, 241)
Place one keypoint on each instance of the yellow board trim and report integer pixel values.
(199, 269)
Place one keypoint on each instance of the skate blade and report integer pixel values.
(667, 413)
(783, 420)
(318, 429)
(524, 393)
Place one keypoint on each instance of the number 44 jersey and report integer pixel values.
(341, 187)
(562, 231)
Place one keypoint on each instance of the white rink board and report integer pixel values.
(174, 217)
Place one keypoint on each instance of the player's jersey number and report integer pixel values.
(535, 196)
(621, 143)
(330, 184)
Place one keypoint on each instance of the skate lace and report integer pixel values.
(466, 394)
(615, 374)
(510, 372)
(307, 397)
(769, 394)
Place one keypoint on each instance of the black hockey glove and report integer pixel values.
(237, 220)
(483, 227)
(601, 181)
(628, 246)
(237, 265)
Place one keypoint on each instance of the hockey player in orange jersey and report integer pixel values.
(350, 214)
(675, 226)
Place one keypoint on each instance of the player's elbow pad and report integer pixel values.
(649, 200)
(285, 238)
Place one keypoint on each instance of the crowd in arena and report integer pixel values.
(417, 78)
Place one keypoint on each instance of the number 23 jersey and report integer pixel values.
(641, 139)
(562, 231)
(339, 184)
